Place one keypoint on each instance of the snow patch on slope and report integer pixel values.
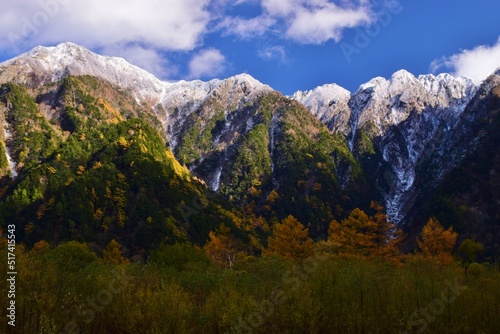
(12, 163)
(329, 103)
(402, 114)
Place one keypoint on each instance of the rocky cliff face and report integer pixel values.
(177, 105)
(403, 117)
(330, 104)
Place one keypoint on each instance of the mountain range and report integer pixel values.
(422, 146)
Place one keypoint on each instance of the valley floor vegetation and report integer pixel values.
(348, 283)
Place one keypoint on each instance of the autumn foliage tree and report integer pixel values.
(223, 248)
(290, 240)
(387, 235)
(355, 234)
(113, 253)
(364, 235)
(437, 242)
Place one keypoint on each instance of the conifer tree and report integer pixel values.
(290, 239)
(437, 242)
(223, 248)
(365, 235)
(113, 253)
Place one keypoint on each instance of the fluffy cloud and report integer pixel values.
(207, 63)
(145, 58)
(246, 28)
(303, 21)
(282, 7)
(320, 24)
(167, 25)
(476, 64)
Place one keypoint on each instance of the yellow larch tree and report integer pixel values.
(437, 242)
(223, 248)
(362, 234)
(290, 239)
(113, 253)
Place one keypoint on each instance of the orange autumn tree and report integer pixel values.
(387, 235)
(290, 240)
(364, 235)
(355, 234)
(113, 253)
(223, 248)
(437, 242)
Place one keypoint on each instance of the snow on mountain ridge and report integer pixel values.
(403, 115)
(329, 103)
(387, 102)
(178, 99)
(51, 64)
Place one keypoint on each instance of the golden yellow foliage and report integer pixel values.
(437, 242)
(123, 142)
(97, 165)
(116, 116)
(80, 170)
(41, 246)
(179, 170)
(273, 196)
(290, 239)
(98, 214)
(113, 253)
(364, 235)
(222, 247)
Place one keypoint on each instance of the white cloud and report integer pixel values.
(167, 25)
(141, 31)
(206, 63)
(247, 28)
(303, 21)
(281, 7)
(476, 64)
(273, 52)
(145, 58)
(318, 25)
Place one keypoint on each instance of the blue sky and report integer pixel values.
(289, 44)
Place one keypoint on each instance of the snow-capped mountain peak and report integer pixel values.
(375, 82)
(402, 75)
(329, 103)
(51, 64)
(403, 115)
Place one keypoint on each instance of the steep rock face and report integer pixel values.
(398, 121)
(208, 101)
(464, 171)
(386, 103)
(330, 104)
(406, 116)
(204, 134)
(44, 65)
(171, 102)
